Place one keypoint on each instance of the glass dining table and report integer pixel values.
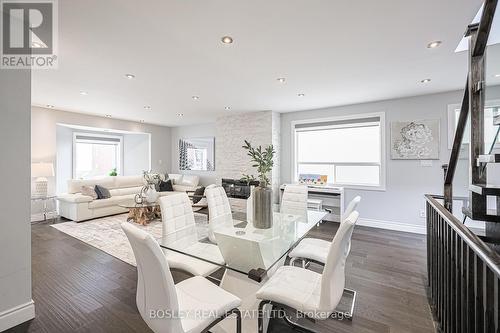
(249, 255)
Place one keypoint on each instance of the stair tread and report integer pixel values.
(490, 158)
(485, 189)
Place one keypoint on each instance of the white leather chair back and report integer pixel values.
(351, 207)
(219, 209)
(294, 200)
(176, 212)
(155, 285)
(333, 278)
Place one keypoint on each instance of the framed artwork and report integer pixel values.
(197, 154)
(415, 140)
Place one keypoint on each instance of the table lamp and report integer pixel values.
(41, 171)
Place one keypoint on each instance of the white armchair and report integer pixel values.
(313, 294)
(177, 214)
(170, 308)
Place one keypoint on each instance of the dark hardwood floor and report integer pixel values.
(78, 288)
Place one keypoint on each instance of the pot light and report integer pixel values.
(425, 81)
(83, 93)
(108, 116)
(497, 75)
(227, 39)
(195, 98)
(130, 76)
(227, 108)
(147, 107)
(281, 79)
(434, 44)
(50, 106)
(180, 114)
(301, 95)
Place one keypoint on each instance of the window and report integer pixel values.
(492, 108)
(349, 151)
(95, 155)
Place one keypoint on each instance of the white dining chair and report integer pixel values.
(177, 214)
(219, 210)
(170, 308)
(314, 249)
(294, 200)
(312, 294)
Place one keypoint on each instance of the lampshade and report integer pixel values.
(42, 170)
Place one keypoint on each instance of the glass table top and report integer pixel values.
(133, 204)
(240, 246)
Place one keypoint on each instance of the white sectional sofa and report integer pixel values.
(78, 207)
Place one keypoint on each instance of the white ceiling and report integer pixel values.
(335, 52)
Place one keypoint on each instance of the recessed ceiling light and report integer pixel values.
(301, 95)
(227, 108)
(147, 107)
(195, 98)
(83, 93)
(108, 116)
(50, 106)
(227, 39)
(130, 76)
(434, 44)
(281, 79)
(180, 114)
(425, 81)
(497, 75)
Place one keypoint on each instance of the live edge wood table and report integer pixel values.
(142, 213)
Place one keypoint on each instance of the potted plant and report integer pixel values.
(262, 202)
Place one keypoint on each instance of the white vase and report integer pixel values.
(150, 194)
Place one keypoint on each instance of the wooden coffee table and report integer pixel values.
(142, 213)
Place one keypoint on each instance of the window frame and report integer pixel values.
(451, 122)
(119, 166)
(383, 162)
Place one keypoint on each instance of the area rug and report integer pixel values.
(107, 235)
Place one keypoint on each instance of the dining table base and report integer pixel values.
(245, 288)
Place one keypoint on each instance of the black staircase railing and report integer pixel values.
(473, 108)
(463, 275)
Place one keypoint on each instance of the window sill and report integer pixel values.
(380, 188)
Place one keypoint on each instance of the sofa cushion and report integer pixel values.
(103, 203)
(102, 192)
(89, 190)
(128, 181)
(176, 178)
(198, 194)
(189, 180)
(75, 185)
(183, 188)
(124, 191)
(166, 186)
(74, 198)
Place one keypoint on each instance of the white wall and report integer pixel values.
(44, 143)
(136, 154)
(407, 181)
(196, 131)
(16, 305)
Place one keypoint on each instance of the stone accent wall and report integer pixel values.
(259, 128)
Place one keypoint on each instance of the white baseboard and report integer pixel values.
(391, 225)
(17, 315)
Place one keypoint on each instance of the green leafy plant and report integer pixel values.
(262, 159)
(113, 172)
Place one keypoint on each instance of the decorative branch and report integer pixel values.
(262, 159)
